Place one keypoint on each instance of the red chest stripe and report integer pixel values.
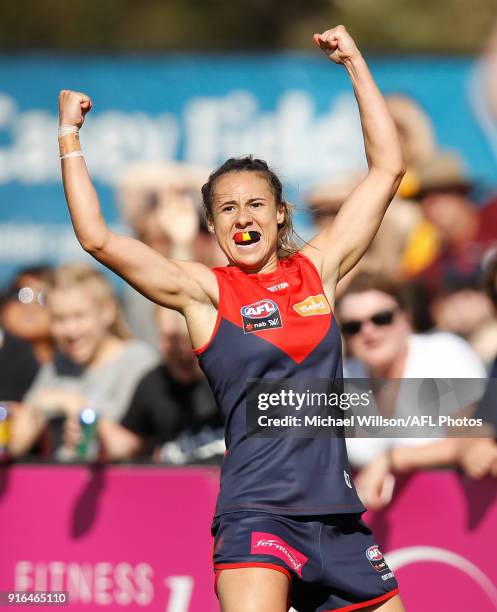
(294, 318)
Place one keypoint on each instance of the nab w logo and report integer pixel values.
(260, 316)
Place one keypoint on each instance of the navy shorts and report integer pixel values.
(331, 561)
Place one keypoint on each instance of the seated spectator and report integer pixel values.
(414, 126)
(467, 311)
(161, 203)
(23, 313)
(97, 364)
(386, 251)
(467, 230)
(417, 138)
(477, 456)
(380, 342)
(467, 233)
(172, 414)
(18, 367)
(406, 241)
(483, 92)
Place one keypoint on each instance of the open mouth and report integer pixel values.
(246, 238)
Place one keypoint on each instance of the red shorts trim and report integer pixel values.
(370, 602)
(223, 566)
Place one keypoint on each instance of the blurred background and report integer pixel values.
(96, 379)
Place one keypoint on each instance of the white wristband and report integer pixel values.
(72, 154)
(64, 130)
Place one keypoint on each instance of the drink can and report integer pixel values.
(88, 448)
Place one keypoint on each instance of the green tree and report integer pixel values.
(196, 25)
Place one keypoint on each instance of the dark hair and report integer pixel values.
(376, 281)
(40, 271)
(248, 163)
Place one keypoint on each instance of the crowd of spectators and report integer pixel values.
(89, 377)
(76, 362)
(421, 305)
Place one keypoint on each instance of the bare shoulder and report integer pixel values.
(321, 250)
(327, 271)
(314, 254)
(326, 265)
(200, 310)
(203, 276)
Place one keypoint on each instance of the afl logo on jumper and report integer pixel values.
(376, 559)
(260, 316)
(312, 305)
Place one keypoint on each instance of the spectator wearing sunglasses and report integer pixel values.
(23, 312)
(476, 456)
(380, 342)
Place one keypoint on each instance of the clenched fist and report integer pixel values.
(338, 44)
(73, 106)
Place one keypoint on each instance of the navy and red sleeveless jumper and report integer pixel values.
(276, 325)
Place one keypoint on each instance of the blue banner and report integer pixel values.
(296, 111)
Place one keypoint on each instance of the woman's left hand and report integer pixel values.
(478, 456)
(375, 483)
(337, 44)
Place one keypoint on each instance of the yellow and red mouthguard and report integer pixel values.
(241, 237)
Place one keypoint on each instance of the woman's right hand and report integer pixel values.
(46, 402)
(73, 106)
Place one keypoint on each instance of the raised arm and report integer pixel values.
(337, 248)
(170, 283)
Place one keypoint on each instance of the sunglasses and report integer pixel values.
(380, 319)
(26, 295)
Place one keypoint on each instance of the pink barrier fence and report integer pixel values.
(138, 538)
(116, 538)
(440, 534)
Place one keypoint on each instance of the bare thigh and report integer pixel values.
(253, 589)
(393, 604)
